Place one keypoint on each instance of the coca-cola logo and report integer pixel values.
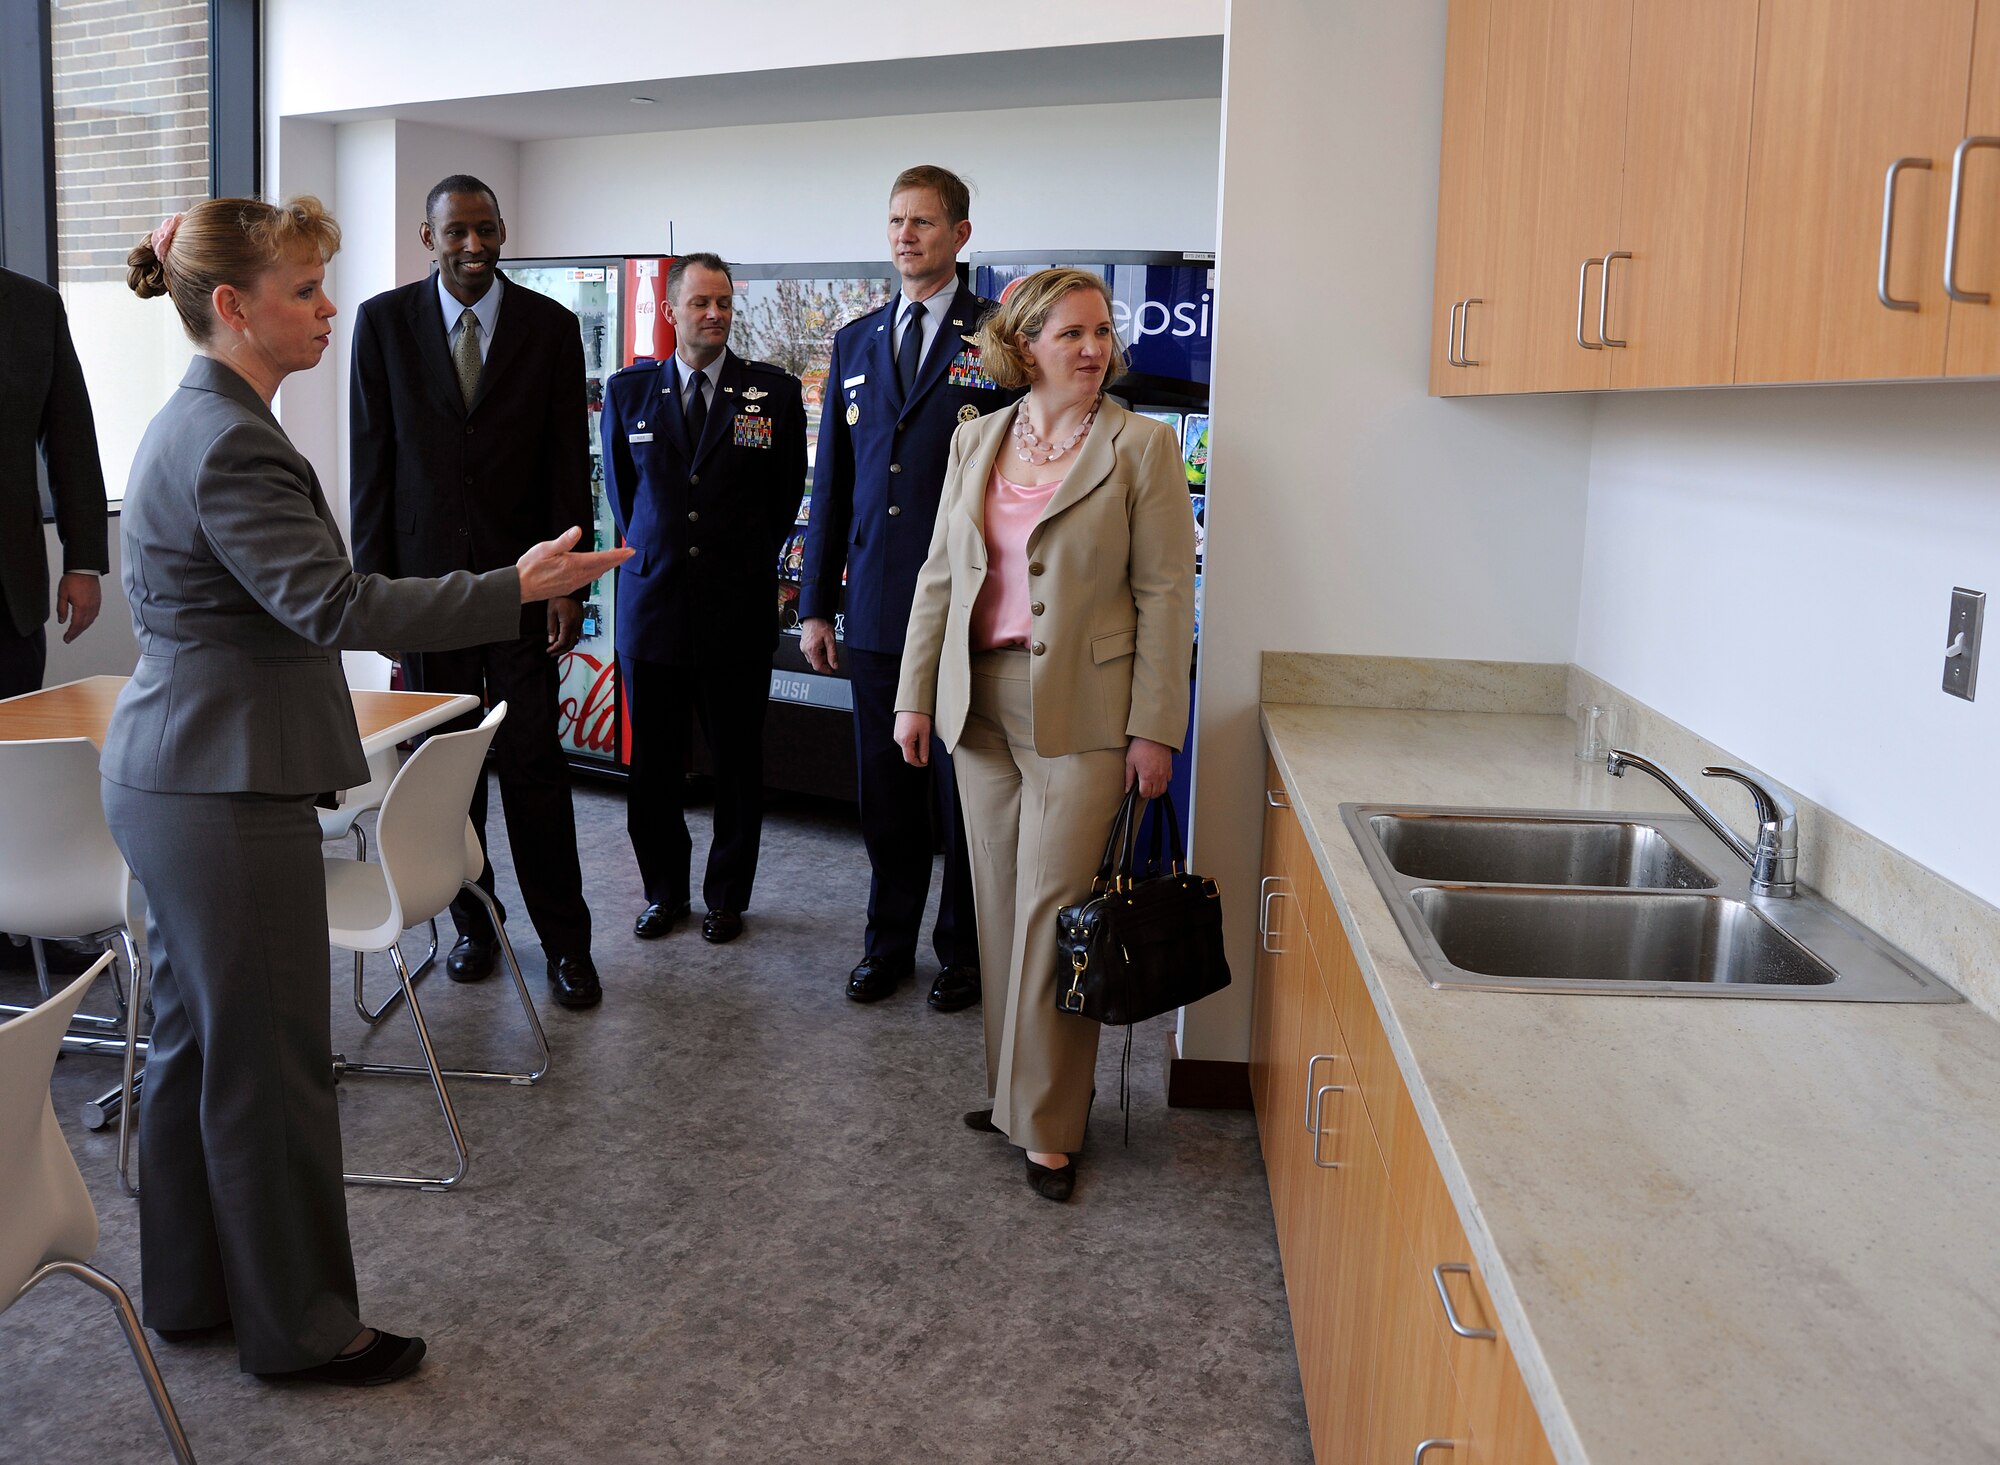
(588, 721)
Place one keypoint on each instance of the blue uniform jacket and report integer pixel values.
(707, 522)
(880, 468)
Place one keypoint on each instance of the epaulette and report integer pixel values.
(766, 367)
(644, 363)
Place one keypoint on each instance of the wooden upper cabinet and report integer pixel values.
(1554, 157)
(1687, 151)
(1845, 89)
(1462, 233)
(1975, 324)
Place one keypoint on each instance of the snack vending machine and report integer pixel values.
(1163, 305)
(619, 303)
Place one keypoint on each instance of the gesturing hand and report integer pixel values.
(551, 568)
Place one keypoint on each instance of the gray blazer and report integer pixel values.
(242, 597)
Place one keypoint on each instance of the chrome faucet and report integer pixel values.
(1774, 862)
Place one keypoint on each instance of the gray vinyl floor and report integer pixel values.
(738, 1221)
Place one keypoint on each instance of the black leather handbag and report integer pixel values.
(1140, 944)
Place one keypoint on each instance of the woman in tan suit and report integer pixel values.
(1049, 642)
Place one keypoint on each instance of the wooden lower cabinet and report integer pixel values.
(1366, 1225)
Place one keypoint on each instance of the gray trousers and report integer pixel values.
(242, 1211)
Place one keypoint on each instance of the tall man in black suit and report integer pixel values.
(704, 464)
(901, 381)
(469, 442)
(44, 407)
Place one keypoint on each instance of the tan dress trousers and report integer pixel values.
(1035, 828)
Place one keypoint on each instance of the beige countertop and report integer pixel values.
(1715, 1230)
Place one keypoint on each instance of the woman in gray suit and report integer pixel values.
(235, 722)
(1049, 641)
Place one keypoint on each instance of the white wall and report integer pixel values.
(1349, 510)
(1774, 569)
(322, 57)
(1137, 175)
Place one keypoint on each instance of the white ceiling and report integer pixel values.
(1176, 69)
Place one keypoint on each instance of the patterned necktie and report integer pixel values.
(697, 410)
(465, 356)
(913, 348)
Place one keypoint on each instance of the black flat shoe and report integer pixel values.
(875, 978)
(956, 988)
(981, 1120)
(573, 980)
(720, 926)
(191, 1335)
(471, 960)
(383, 1361)
(657, 920)
(1056, 1185)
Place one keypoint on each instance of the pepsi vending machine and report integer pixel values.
(1163, 305)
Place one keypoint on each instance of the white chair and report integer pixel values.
(342, 823)
(428, 853)
(62, 876)
(47, 1223)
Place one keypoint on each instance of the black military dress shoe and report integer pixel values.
(574, 979)
(657, 920)
(876, 978)
(471, 960)
(956, 988)
(721, 926)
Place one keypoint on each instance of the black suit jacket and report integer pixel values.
(43, 405)
(435, 487)
(708, 518)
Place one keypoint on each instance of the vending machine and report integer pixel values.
(1163, 304)
(619, 304)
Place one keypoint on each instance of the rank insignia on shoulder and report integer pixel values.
(853, 413)
(754, 394)
(968, 413)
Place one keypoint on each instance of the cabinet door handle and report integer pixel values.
(1268, 894)
(1312, 1125)
(1889, 231)
(1426, 1446)
(1451, 335)
(1275, 797)
(1451, 1313)
(1318, 1129)
(1464, 320)
(1951, 286)
(1604, 296)
(1583, 289)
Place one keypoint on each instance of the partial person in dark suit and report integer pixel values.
(236, 721)
(704, 464)
(44, 408)
(902, 380)
(469, 441)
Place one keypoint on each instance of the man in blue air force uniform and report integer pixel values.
(704, 465)
(902, 380)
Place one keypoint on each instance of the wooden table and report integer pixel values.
(83, 710)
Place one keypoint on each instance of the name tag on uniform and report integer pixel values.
(639, 437)
(751, 432)
(855, 381)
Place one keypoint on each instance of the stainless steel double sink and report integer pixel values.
(1527, 900)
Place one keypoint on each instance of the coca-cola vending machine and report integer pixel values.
(619, 303)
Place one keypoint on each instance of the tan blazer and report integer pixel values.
(1112, 566)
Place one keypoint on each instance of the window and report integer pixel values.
(130, 94)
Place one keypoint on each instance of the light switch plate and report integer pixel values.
(1961, 667)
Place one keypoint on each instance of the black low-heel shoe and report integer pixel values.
(383, 1361)
(981, 1120)
(1056, 1185)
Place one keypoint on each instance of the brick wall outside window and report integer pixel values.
(131, 115)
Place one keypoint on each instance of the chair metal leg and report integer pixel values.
(41, 965)
(373, 1015)
(135, 1338)
(102, 1112)
(520, 988)
(128, 1088)
(436, 1075)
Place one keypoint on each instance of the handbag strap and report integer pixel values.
(1119, 848)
